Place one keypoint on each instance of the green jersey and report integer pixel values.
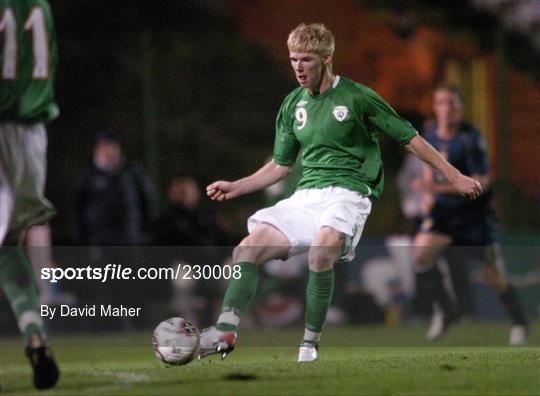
(338, 132)
(27, 61)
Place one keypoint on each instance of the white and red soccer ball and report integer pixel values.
(176, 341)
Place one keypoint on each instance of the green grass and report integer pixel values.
(371, 360)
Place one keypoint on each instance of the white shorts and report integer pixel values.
(23, 165)
(306, 211)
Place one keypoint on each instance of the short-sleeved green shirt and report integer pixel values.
(27, 61)
(338, 132)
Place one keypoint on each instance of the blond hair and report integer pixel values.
(314, 38)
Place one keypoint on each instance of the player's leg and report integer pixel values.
(340, 217)
(264, 243)
(20, 289)
(22, 179)
(327, 247)
(427, 246)
(495, 277)
(459, 282)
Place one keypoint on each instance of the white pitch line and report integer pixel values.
(126, 377)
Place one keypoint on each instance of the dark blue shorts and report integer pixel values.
(467, 227)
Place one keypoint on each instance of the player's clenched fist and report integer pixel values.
(221, 190)
(467, 186)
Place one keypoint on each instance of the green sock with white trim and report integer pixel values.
(319, 292)
(238, 296)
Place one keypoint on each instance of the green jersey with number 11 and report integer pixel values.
(27, 61)
(338, 131)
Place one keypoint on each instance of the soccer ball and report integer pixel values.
(176, 341)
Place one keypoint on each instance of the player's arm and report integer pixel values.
(447, 188)
(460, 183)
(428, 184)
(266, 176)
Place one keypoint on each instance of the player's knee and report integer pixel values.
(321, 258)
(247, 250)
(242, 251)
(326, 249)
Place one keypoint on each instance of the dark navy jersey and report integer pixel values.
(468, 153)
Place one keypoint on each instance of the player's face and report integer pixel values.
(308, 68)
(447, 107)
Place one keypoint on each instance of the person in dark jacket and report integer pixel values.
(115, 205)
(115, 199)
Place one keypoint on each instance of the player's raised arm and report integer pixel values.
(447, 188)
(462, 184)
(266, 176)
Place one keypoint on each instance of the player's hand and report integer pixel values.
(222, 190)
(467, 186)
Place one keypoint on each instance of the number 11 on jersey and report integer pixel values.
(35, 23)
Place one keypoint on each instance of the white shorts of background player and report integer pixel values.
(23, 168)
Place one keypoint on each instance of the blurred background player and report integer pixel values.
(415, 206)
(468, 225)
(115, 199)
(28, 64)
(342, 170)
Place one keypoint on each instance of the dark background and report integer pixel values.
(190, 95)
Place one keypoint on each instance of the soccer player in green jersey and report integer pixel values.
(336, 122)
(27, 67)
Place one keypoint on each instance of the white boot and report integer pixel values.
(307, 352)
(438, 324)
(518, 335)
(214, 341)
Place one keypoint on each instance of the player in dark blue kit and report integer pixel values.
(455, 220)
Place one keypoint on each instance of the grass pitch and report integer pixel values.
(370, 360)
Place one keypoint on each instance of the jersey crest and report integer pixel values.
(340, 112)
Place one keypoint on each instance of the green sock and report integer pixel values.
(20, 289)
(319, 292)
(238, 296)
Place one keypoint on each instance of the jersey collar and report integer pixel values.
(325, 93)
